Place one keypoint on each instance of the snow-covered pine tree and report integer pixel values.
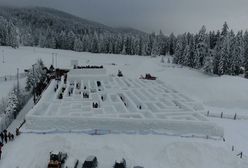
(12, 106)
(225, 51)
(192, 53)
(36, 75)
(172, 44)
(217, 56)
(8, 33)
(162, 59)
(225, 30)
(238, 55)
(178, 51)
(246, 54)
(155, 48)
(230, 58)
(186, 55)
(201, 47)
(208, 63)
(78, 45)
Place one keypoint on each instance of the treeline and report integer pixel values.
(50, 28)
(8, 33)
(221, 52)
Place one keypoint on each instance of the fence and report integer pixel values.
(226, 115)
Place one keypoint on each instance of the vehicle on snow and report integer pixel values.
(57, 159)
(90, 162)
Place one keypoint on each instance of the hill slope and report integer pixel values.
(50, 28)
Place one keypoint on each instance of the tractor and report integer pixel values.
(119, 74)
(57, 159)
(148, 77)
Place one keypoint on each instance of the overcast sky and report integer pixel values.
(176, 16)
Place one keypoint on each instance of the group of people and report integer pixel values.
(88, 67)
(6, 136)
(85, 95)
(95, 105)
(70, 91)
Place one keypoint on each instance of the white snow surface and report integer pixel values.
(124, 105)
(150, 151)
(219, 94)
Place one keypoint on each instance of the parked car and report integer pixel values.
(90, 162)
(121, 164)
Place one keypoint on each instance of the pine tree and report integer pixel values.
(225, 51)
(36, 75)
(78, 45)
(208, 64)
(172, 44)
(217, 56)
(246, 54)
(201, 47)
(12, 106)
(178, 51)
(225, 30)
(162, 59)
(155, 48)
(239, 53)
(186, 56)
(230, 58)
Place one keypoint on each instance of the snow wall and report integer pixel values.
(78, 123)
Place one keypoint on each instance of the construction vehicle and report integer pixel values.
(57, 159)
(119, 74)
(90, 162)
(148, 77)
(121, 164)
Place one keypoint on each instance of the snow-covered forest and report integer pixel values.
(221, 52)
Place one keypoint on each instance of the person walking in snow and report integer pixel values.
(1, 136)
(5, 135)
(1, 146)
(12, 136)
(17, 132)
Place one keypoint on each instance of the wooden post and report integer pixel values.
(235, 116)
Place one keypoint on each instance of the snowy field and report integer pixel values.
(218, 94)
(145, 150)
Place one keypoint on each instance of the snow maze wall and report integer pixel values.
(123, 105)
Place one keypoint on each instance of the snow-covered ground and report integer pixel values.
(150, 151)
(6, 87)
(219, 94)
(124, 104)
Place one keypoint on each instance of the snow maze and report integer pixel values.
(123, 104)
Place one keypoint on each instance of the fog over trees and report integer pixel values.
(214, 52)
